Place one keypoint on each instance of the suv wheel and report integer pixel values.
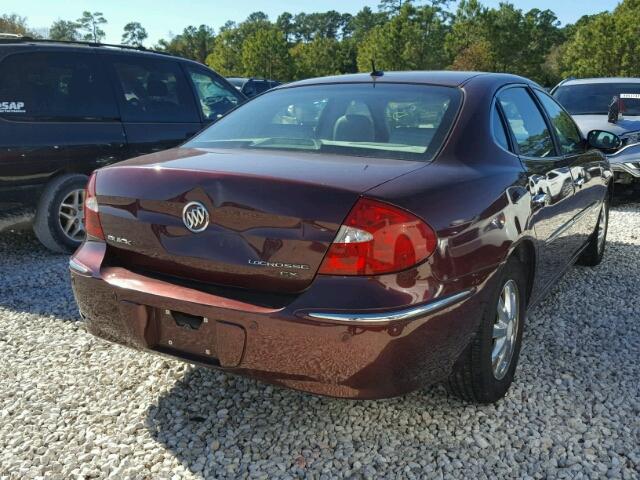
(485, 370)
(59, 222)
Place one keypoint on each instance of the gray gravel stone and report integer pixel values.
(72, 406)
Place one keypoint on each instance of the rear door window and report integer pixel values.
(55, 86)
(527, 123)
(153, 91)
(499, 133)
(567, 132)
(216, 98)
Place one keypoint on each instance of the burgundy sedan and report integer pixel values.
(356, 236)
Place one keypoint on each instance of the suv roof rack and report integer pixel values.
(16, 38)
(9, 36)
(568, 79)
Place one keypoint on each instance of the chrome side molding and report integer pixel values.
(78, 267)
(393, 315)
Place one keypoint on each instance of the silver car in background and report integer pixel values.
(611, 104)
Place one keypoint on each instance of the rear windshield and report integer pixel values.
(595, 98)
(397, 121)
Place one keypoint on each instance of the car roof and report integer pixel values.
(25, 43)
(444, 78)
(589, 81)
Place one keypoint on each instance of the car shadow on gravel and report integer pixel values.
(219, 421)
(218, 424)
(221, 425)
(33, 279)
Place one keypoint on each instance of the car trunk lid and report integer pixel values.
(272, 215)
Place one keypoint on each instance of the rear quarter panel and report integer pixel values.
(474, 195)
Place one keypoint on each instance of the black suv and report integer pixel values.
(69, 108)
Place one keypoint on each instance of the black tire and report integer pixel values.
(473, 378)
(593, 254)
(47, 225)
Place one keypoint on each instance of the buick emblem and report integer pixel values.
(195, 217)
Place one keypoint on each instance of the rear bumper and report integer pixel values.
(321, 351)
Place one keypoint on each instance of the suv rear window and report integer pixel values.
(398, 121)
(55, 86)
(595, 98)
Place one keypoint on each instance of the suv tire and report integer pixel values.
(57, 205)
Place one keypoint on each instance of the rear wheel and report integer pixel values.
(594, 253)
(59, 222)
(485, 370)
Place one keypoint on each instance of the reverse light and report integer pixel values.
(378, 238)
(91, 219)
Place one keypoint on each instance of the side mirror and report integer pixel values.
(603, 140)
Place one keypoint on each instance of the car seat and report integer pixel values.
(354, 128)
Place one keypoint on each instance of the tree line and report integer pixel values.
(399, 35)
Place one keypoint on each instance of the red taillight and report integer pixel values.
(378, 238)
(91, 219)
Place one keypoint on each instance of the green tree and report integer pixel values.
(285, 24)
(134, 34)
(12, 23)
(469, 27)
(320, 57)
(605, 44)
(505, 40)
(226, 57)
(64, 30)
(363, 22)
(544, 35)
(475, 57)
(411, 40)
(90, 24)
(593, 50)
(308, 26)
(392, 6)
(194, 43)
(266, 54)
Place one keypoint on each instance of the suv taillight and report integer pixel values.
(378, 238)
(91, 219)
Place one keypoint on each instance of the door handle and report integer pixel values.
(579, 182)
(540, 199)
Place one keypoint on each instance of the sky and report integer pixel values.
(162, 17)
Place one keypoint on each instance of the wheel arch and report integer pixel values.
(525, 251)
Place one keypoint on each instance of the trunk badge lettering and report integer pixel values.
(292, 266)
(113, 238)
(195, 217)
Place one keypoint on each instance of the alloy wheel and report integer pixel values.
(505, 329)
(71, 215)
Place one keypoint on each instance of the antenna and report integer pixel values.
(374, 72)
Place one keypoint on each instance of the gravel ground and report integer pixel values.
(74, 406)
